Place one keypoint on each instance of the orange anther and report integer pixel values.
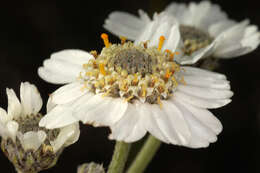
(168, 74)
(105, 39)
(161, 41)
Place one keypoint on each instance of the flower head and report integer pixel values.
(205, 30)
(29, 147)
(135, 89)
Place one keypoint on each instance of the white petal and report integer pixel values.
(73, 56)
(203, 14)
(201, 102)
(31, 100)
(129, 128)
(162, 25)
(173, 40)
(216, 29)
(124, 24)
(201, 134)
(3, 116)
(207, 93)
(3, 131)
(68, 93)
(67, 136)
(206, 117)
(197, 55)
(176, 121)
(14, 106)
(144, 16)
(12, 128)
(237, 40)
(150, 123)
(207, 82)
(54, 76)
(175, 135)
(32, 140)
(64, 66)
(59, 116)
(100, 111)
(177, 9)
(50, 105)
(203, 73)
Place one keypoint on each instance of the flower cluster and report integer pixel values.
(29, 147)
(134, 88)
(204, 28)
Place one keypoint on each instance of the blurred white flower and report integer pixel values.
(134, 89)
(205, 30)
(22, 138)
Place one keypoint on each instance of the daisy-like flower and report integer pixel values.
(29, 147)
(206, 31)
(135, 89)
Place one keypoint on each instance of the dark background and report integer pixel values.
(31, 30)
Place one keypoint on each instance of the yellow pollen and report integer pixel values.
(102, 69)
(123, 39)
(161, 41)
(105, 39)
(159, 102)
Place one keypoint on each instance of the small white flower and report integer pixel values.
(205, 30)
(22, 137)
(134, 89)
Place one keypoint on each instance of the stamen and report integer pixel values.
(106, 93)
(105, 39)
(145, 44)
(143, 87)
(161, 41)
(123, 39)
(135, 80)
(159, 102)
(168, 74)
(102, 69)
(169, 52)
(129, 98)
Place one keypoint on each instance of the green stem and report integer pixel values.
(145, 155)
(119, 157)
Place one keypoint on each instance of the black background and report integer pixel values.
(31, 30)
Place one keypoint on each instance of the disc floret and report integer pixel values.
(132, 72)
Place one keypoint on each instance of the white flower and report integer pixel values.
(22, 138)
(134, 90)
(204, 28)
